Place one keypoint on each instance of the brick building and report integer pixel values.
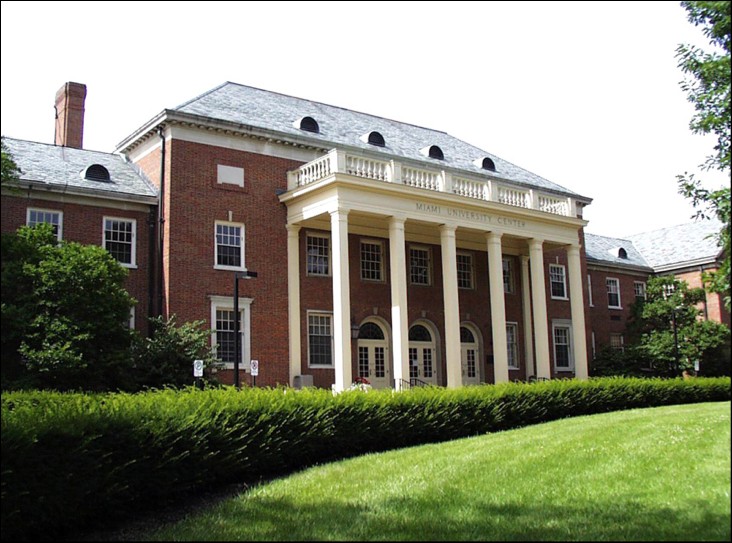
(381, 249)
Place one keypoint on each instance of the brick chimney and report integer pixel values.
(70, 115)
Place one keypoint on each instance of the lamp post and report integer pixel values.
(237, 332)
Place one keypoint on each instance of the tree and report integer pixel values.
(65, 313)
(671, 337)
(10, 170)
(708, 88)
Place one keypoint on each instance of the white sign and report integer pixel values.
(254, 367)
(198, 368)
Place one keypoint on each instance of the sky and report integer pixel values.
(584, 94)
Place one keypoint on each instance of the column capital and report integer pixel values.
(573, 248)
(448, 228)
(397, 220)
(342, 211)
(293, 229)
(494, 235)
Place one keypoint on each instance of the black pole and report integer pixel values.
(237, 336)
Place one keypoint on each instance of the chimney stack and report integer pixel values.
(70, 115)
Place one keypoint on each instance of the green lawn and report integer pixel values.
(645, 474)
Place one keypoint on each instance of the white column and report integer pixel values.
(452, 306)
(528, 331)
(577, 305)
(399, 315)
(538, 295)
(293, 299)
(498, 307)
(341, 300)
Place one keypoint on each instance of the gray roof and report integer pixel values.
(607, 250)
(268, 110)
(63, 168)
(688, 243)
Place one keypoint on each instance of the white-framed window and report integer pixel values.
(512, 345)
(562, 334)
(120, 239)
(616, 342)
(50, 216)
(372, 260)
(558, 281)
(589, 290)
(508, 286)
(465, 270)
(613, 292)
(639, 287)
(229, 175)
(320, 339)
(420, 266)
(229, 243)
(224, 330)
(317, 249)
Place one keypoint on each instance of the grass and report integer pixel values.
(658, 474)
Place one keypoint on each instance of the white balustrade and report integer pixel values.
(470, 188)
(421, 179)
(551, 204)
(365, 167)
(513, 197)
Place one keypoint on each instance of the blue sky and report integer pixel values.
(585, 94)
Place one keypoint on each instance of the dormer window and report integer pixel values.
(619, 252)
(433, 152)
(374, 138)
(96, 172)
(488, 164)
(308, 124)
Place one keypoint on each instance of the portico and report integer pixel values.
(346, 193)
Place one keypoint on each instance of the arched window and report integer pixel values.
(488, 164)
(466, 336)
(370, 330)
(96, 172)
(622, 253)
(419, 333)
(308, 124)
(374, 138)
(436, 152)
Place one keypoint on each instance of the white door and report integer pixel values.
(373, 356)
(469, 357)
(422, 362)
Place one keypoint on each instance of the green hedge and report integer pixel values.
(71, 461)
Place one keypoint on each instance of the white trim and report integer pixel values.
(565, 324)
(430, 274)
(617, 283)
(226, 303)
(589, 289)
(323, 235)
(515, 326)
(508, 262)
(242, 252)
(133, 250)
(564, 281)
(472, 269)
(643, 289)
(59, 233)
(382, 254)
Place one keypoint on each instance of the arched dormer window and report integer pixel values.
(433, 151)
(308, 124)
(619, 252)
(96, 172)
(488, 164)
(374, 138)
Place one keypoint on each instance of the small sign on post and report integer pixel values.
(198, 368)
(254, 367)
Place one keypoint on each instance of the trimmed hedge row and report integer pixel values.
(71, 461)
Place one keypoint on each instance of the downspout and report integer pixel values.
(161, 219)
(151, 274)
(704, 302)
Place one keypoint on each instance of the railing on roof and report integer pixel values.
(391, 171)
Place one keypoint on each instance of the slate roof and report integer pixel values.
(63, 167)
(606, 250)
(684, 243)
(268, 110)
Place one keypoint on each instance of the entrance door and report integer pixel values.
(469, 357)
(422, 362)
(373, 363)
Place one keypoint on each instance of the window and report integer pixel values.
(589, 289)
(465, 270)
(507, 276)
(557, 281)
(613, 292)
(54, 218)
(229, 175)
(374, 138)
(119, 240)
(419, 266)
(229, 245)
(96, 172)
(616, 342)
(512, 344)
(320, 339)
(224, 330)
(318, 254)
(639, 288)
(562, 351)
(435, 152)
(488, 164)
(308, 124)
(372, 261)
